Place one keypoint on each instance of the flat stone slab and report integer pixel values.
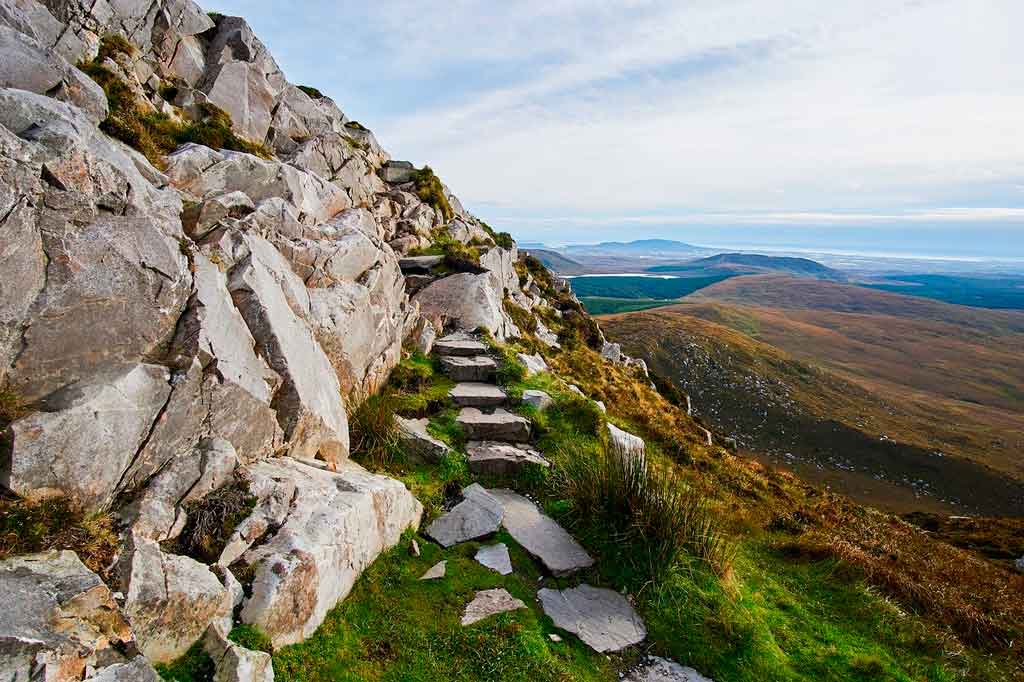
(413, 435)
(655, 669)
(495, 557)
(498, 458)
(488, 603)
(460, 345)
(476, 368)
(603, 619)
(436, 571)
(479, 514)
(477, 394)
(540, 535)
(538, 400)
(497, 425)
(419, 263)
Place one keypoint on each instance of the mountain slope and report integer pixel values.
(749, 263)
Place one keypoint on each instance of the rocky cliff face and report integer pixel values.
(184, 322)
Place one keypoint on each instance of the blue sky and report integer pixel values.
(736, 121)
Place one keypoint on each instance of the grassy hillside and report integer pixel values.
(749, 263)
(604, 305)
(876, 443)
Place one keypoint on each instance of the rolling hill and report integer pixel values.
(899, 401)
(752, 263)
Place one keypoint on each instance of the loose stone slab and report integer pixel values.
(460, 345)
(540, 535)
(498, 425)
(534, 364)
(656, 669)
(603, 619)
(488, 603)
(538, 400)
(413, 435)
(476, 368)
(477, 394)
(479, 514)
(436, 571)
(498, 458)
(629, 448)
(419, 263)
(495, 557)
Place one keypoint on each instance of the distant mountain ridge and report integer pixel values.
(754, 263)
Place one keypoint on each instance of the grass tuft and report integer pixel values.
(430, 191)
(252, 638)
(212, 520)
(373, 433)
(28, 526)
(311, 91)
(194, 666)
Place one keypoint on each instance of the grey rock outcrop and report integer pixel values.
(58, 618)
(534, 364)
(331, 531)
(538, 400)
(602, 618)
(413, 435)
(136, 670)
(234, 663)
(170, 600)
(629, 448)
(86, 436)
(467, 302)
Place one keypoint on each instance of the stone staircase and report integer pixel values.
(499, 443)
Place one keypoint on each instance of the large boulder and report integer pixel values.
(630, 449)
(467, 302)
(170, 600)
(97, 277)
(57, 617)
(86, 435)
(331, 532)
(308, 403)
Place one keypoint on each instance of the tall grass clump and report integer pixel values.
(212, 520)
(649, 516)
(373, 433)
(430, 191)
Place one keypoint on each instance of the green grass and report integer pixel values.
(251, 637)
(395, 627)
(311, 91)
(646, 288)
(430, 191)
(604, 305)
(194, 666)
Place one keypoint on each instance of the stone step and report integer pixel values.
(460, 344)
(655, 669)
(541, 535)
(500, 425)
(602, 618)
(500, 459)
(478, 368)
(477, 394)
(478, 515)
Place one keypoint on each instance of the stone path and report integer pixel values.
(656, 669)
(412, 433)
(499, 445)
(540, 535)
(473, 368)
(495, 557)
(488, 603)
(500, 458)
(603, 619)
(477, 394)
(499, 424)
(478, 515)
